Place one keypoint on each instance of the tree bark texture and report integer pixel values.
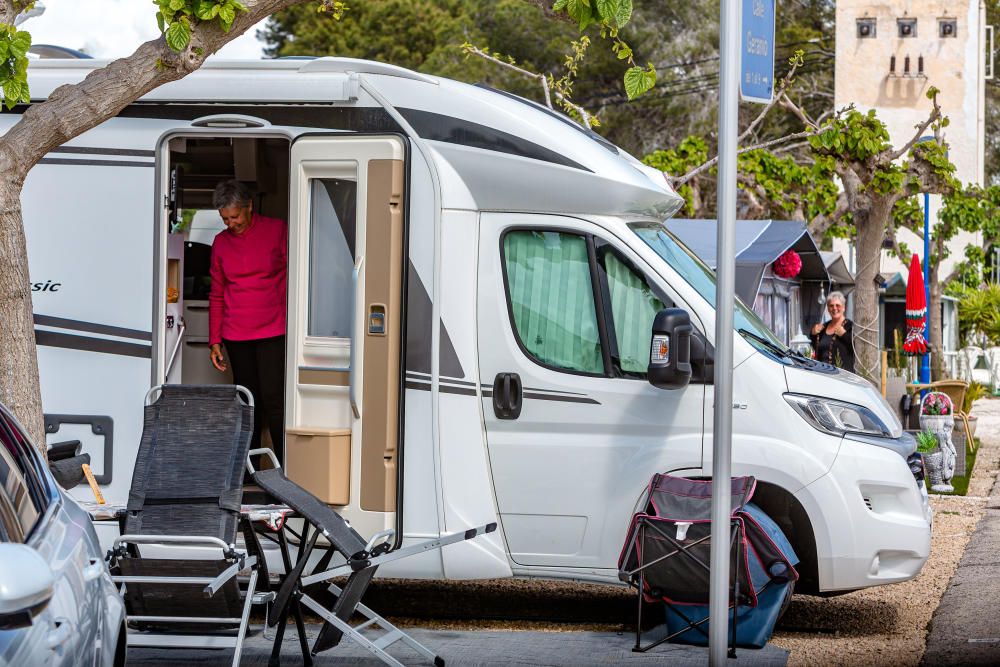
(870, 232)
(68, 112)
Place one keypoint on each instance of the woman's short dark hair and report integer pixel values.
(231, 193)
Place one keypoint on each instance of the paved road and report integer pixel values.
(965, 629)
(576, 649)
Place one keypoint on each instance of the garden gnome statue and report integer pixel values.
(937, 415)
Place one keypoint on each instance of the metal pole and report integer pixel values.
(925, 360)
(718, 605)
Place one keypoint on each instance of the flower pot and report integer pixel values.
(973, 421)
(937, 423)
(932, 464)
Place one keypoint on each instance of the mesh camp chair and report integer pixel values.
(309, 581)
(186, 492)
(667, 557)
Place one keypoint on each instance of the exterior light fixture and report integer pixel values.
(866, 28)
(947, 28)
(906, 28)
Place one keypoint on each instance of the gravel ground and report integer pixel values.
(887, 625)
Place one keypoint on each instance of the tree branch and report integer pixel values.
(934, 115)
(75, 108)
(799, 112)
(542, 78)
(681, 180)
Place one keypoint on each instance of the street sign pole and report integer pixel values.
(729, 63)
(746, 62)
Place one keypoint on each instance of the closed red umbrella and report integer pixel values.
(916, 310)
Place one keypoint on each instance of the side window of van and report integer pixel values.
(333, 204)
(631, 304)
(551, 299)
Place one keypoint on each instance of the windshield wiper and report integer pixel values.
(769, 345)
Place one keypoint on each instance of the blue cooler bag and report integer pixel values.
(754, 625)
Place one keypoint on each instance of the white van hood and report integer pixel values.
(843, 386)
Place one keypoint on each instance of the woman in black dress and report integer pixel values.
(833, 342)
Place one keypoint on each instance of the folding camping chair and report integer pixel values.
(361, 559)
(186, 492)
(667, 557)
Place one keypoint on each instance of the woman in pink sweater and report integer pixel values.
(246, 312)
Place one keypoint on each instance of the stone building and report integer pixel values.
(889, 53)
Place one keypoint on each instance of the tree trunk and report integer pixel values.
(871, 230)
(19, 389)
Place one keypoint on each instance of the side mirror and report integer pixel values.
(670, 352)
(25, 585)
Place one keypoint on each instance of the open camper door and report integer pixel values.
(345, 275)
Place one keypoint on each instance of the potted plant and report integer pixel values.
(930, 452)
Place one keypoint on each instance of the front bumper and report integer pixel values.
(871, 523)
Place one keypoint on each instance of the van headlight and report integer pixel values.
(837, 417)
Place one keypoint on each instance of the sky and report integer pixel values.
(113, 28)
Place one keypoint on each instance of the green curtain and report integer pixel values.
(633, 307)
(548, 275)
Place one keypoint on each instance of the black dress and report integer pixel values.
(834, 349)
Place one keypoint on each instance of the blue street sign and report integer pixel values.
(757, 51)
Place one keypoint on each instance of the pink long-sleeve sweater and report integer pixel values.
(249, 282)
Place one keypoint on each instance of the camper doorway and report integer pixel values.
(343, 199)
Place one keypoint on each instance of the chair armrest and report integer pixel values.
(262, 451)
(192, 540)
(213, 587)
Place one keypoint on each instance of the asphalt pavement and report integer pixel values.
(466, 648)
(965, 629)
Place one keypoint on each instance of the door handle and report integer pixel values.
(507, 396)
(355, 341)
(94, 570)
(60, 635)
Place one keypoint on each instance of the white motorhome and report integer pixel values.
(472, 282)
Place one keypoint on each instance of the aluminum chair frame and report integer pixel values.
(362, 564)
(241, 562)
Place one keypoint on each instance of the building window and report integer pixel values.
(866, 28)
(947, 28)
(907, 28)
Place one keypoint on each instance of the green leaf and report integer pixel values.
(639, 81)
(581, 12)
(624, 52)
(176, 5)
(20, 44)
(178, 35)
(227, 14)
(160, 22)
(605, 9)
(624, 12)
(560, 5)
(206, 11)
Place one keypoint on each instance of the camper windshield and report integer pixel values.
(697, 274)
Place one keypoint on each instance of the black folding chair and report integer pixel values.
(667, 558)
(185, 501)
(362, 559)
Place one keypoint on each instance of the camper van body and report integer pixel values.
(405, 358)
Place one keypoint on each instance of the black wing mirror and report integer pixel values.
(670, 351)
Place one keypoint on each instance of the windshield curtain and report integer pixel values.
(697, 274)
